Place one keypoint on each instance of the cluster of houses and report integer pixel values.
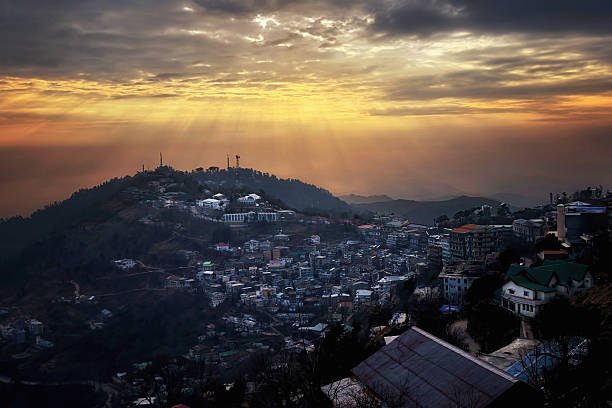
(25, 333)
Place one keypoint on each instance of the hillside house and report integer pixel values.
(419, 369)
(528, 289)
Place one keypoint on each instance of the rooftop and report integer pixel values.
(419, 369)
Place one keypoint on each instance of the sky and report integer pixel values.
(410, 98)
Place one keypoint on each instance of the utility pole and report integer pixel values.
(228, 163)
(161, 160)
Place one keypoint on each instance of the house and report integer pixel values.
(173, 281)
(211, 203)
(457, 278)
(250, 199)
(35, 327)
(363, 296)
(223, 247)
(419, 369)
(251, 245)
(528, 289)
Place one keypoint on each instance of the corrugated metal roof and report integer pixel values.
(420, 369)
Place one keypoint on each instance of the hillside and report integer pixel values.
(424, 212)
(57, 266)
(361, 199)
(292, 192)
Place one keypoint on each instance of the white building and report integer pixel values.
(363, 296)
(211, 203)
(528, 289)
(457, 278)
(250, 199)
(238, 217)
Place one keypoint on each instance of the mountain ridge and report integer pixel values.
(365, 199)
(424, 212)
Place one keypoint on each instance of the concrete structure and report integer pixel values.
(529, 230)
(457, 278)
(576, 219)
(472, 242)
(251, 216)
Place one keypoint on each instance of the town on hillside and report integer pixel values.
(253, 303)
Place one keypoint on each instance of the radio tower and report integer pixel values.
(237, 161)
(228, 164)
(161, 160)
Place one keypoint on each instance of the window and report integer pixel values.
(526, 293)
(511, 291)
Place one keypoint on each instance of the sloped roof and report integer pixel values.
(524, 281)
(564, 271)
(421, 370)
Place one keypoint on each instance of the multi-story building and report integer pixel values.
(529, 230)
(579, 218)
(457, 278)
(434, 257)
(472, 242)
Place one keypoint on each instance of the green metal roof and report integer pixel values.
(526, 283)
(541, 276)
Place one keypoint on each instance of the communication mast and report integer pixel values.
(228, 163)
(161, 160)
(237, 161)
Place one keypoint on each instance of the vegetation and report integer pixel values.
(306, 198)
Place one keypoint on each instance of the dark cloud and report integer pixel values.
(482, 84)
(426, 17)
(100, 39)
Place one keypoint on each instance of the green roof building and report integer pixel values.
(527, 289)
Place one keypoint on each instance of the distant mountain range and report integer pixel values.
(424, 212)
(361, 199)
(519, 200)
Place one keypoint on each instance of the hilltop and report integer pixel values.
(361, 199)
(292, 192)
(64, 264)
(116, 196)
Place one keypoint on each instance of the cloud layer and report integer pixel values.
(121, 72)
